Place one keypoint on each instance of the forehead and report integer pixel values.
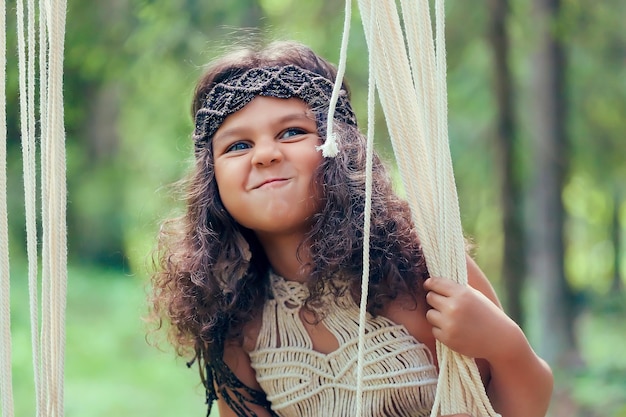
(269, 107)
(264, 113)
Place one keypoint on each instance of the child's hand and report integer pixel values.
(465, 320)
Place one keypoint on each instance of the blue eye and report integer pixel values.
(293, 131)
(238, 146)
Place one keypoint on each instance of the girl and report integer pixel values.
(261, 277)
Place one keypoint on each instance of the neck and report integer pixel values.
(282, 254)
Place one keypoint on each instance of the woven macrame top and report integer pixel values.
(399, 377)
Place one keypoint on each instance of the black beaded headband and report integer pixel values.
(232, 94)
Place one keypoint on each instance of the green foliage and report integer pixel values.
(598, 103)
(597, 384)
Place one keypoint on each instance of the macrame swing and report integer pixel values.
(409, 72)
(47, 337)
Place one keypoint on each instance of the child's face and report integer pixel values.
(265, 160)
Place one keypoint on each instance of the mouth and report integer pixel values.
(271, 182)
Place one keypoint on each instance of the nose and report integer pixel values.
(266, 152)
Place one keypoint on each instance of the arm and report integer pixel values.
(239, 362)
(470, 321)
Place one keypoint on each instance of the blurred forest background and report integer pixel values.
(537, 109)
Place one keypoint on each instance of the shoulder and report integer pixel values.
(412, 315)
(236, 352)
(243, 392)
(477, 279)
(238, 360)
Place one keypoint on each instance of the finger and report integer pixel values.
(436, 300)
(434, 317)
(442, 286)
(438, 334)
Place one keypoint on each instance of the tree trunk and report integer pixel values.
(546, 261)
(617, 285)
(513, 261)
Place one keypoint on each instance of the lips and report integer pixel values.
(270, 181)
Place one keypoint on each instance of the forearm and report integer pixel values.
(521, 382)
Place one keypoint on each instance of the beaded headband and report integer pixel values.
(232, 94)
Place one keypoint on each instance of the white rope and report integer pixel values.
(54, 195)
(46, 290)
(27, 117)
(412, 90)
(6, 384)
(43, 354)
(47, 337)
(329, 148)
(371, 117)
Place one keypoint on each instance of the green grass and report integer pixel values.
(110, 369)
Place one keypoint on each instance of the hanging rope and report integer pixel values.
(6, 386)
(329, 148)
(371, 117)
(410, 72)
(54, 195)
(26, 65)
(47, 337)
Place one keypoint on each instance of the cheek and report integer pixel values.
(226, 173)
(224, 184)
(314, 162)
(219, 184)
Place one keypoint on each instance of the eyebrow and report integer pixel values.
(237, 130)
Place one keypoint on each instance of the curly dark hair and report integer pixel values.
(208, 286)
